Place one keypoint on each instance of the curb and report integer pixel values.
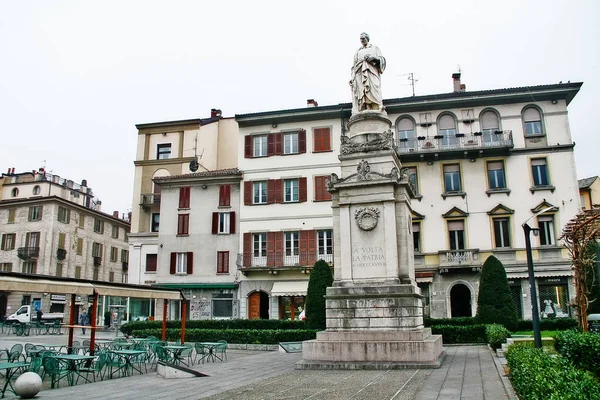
(510, 392)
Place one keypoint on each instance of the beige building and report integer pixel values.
(53, 226)
(589, 191)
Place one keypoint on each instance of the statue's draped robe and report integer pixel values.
(366, 80)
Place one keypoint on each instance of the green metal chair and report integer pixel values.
(96, 368)
(15, 353)
(188, 354)
(114, 364)
(35, 365)
(221, 349)
(201, 353)
(53, 369)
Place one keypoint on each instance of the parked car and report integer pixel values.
(26, 314)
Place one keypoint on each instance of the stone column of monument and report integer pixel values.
(374, 308)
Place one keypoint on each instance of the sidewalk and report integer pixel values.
(468, 372)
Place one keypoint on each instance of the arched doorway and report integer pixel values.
(460, 301)
(3, 302)
(258, 305)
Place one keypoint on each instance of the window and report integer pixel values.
(35, 213)
(181, 267)
(222, 305)
(6, 267)
(325, 243)
(62, 237)
(452, 178)
(114, 254)
(114, 232)
(496, 175)
(77, 272)
(539, 171)
(8, 241)
(259, 247)
(151, 262)
(14, 192)
(321, 193)
(292, 244)
(184, 197)
(290, 143)
(163, 151)
(155, 222)
(97, 249)
(501, 232)
(98, 226)
(125, 256)
(36, 190)
(59, 269)
(12, 212)
(456, 231)
(224, 195)
(413, 179)
(416, 229)
(64, 215)
(447, 129)
(222, 262)
(32, 239)
(79, 246)
(532, 121)
(291, 190)
(546, 225)
(96, 273)
(224, 222)
(29, 267)
(111, 276)
(322, 139)
(406, 133)
(183, 222)
(124, 278)
(81, 221)
(260, 192)
(489, 126)
(260, 146)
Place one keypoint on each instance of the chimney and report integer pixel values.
(84, 182)
(456, 81)
(215, 113)
(129, 216)
(116, 214)
(311, 103)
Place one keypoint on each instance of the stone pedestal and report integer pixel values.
(374, 308)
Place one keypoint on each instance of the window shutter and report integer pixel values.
(447, 122)
(215, 223)
(247, 193)
(406, 124)
(318, 187)
(312, 247)
(248, 146)
(318, 140)
(190, 263)
(489, 120)
(173, 263)
(303, 244)
(279, 249)
(3, 242)
(232, 222)
(538, 161)
(247, 249)
(302, 141)
(271, 261)
(225, 262)
(278, 190)
(270, 191)
(494, 165)
(456, 225)
(326, 139)
(278, 143)
(225, 195)
(219, 262)
(531, 114)
(184, 197)
(302, 189)
(271, 144)
(452, 168)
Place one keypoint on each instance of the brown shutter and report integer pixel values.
(215, 223)
(318, 187)
(303, 243)
(190, 263)
(271, 249)
(278, 190)
(271, 195)
(278, 143)
(232, 222)
(173, 263)
(247, 193)
(302, 189)
(3, 247)
(226, 262)
(248, 146)
(279, 247)
(312, 247)
(225, 195)
(326, 139)
(184, 197)
(271, 144)
(302, 141)
(317, 139)
(247, 249)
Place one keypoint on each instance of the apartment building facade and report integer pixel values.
(52, 226)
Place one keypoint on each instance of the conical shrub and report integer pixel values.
(320, 280)
(494, 303)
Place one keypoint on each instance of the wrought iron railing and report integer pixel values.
(459, 257)
(459, 141)
(28, 253)
(61, 254)
(97, 261)
(278, 259)
(125, 265)
(150, 199)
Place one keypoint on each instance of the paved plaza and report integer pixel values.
(468, 372)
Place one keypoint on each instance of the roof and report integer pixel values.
(204, 174)
(585, 183)
(566, 91)
(200, 121)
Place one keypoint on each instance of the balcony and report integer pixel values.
(445, 147)
(28, 253)
(247, 261)
(97, 261)
(61, 254)
(150, 200)
(125, 266)
(454, 260)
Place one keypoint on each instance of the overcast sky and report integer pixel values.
(76, 76)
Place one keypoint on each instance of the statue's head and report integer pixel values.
(364, 38)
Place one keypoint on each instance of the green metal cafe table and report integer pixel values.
(73, 362)
(128, 356)
(176, 352)
(11, 370)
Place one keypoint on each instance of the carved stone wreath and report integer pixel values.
(367, 218)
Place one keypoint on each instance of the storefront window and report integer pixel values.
(140, 309)
(290, 307)
(554, 297)
(222, 305)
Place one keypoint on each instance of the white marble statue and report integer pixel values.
(369, 64)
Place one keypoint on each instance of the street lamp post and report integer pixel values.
(537, 334)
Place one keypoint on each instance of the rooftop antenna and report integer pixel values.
(194, 164)
(411, 78)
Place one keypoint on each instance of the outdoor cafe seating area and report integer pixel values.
(64, 365)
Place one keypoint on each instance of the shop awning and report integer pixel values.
(289, 288)
(424, 280)
(140, 292)
(539, 274)
(224, 285)
(14, 284)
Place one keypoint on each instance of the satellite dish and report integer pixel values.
(194, 165)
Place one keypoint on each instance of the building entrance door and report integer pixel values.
(258, 306)
(460, 301)
(3, 307)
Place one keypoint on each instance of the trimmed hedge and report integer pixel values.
(551, 324)
(496, 334)
(462, 321)
(452, 334)
(537, 375)
(580, 348)
(238, 336)
(269, 324)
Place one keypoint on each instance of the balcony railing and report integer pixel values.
(459, 258)
(125, 265)
(28, 253)
(61, 254)
(97, 261)
(150, 199)
(460, 141)
(248, 260)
